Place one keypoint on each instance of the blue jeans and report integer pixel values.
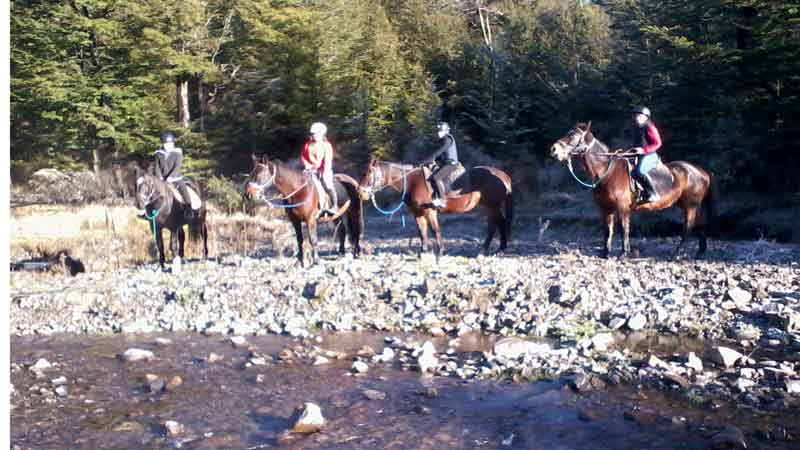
(647, 163)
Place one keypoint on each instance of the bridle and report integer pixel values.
(151, 192)
(376, 178)
(260, 187)
(581, 149)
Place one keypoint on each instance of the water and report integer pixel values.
(225, 405)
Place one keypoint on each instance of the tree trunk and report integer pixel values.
(183, 102)
(203, 103)
(96, 161)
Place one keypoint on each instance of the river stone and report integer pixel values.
(729, 437)
(61, 391)
(173, 383)
(739, 296)
(360, 367)
(657, 362)
(637, 321)
(136, 354)
(743, 384)
(385, 356)
(601, 341)
(41, 364)
(514, 347)
(157, 386)
(238, 341)
(616, 323)
(307, 419)
(173, 428)
(374, 395)
(725, 356)
(321, 360)
(793, 386)
(60, 381)
(694, 363)
(163, 341)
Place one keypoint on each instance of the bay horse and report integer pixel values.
(692, 188)
(482, 185)
(301, 201)
(163, 211)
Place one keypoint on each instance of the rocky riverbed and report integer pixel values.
(566, 314)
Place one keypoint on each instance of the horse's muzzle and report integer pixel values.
(364, 193)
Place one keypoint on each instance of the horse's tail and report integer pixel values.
(509, 213)
(355, 212)
(196, 226)
(710, 203)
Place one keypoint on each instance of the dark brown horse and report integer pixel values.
(157, 201)
(481, 185)
(296, 194)
(691, 188)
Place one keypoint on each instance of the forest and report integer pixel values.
(97, 81)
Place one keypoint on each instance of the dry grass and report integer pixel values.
(108, 238)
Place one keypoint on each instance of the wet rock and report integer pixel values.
(156, 386)
(678, 379)
(365, 352)
(725, 356)
(387, 355)
(793, 386)
(423, 410)
(173, 428)
(163, 341)
(637, 322)
(695, 363)
(136, 354)
(320, 360)
(655, 361)
(128, 427)
(173, 383)
(514, 347)
(374, 395)
(587, 382)
(360, 367)
(61, 391)
(430, 392)
(730, 437)
(238, 341)
(307, 419)
(426, 357)
(215, 358)
(641, 416)
(60, 381)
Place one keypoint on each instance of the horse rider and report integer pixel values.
(317, 159)
(168, 168)
(446, 162)
(647, 142)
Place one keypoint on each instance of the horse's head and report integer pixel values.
(574, 143)
(372, 180)
(148, 190)
(261, 177)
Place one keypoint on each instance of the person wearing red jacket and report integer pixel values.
(647, 143)
(317, 160)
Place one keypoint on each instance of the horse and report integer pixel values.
(160, 207)
(692, 188)
(302, 203)
(482, 185)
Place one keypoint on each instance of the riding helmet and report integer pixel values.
(641, 110)
(167, 137)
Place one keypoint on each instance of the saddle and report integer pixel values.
(454, 182)
(322, 194)
(195, 200)
(661, 176)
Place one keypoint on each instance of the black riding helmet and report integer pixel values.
(167, 137)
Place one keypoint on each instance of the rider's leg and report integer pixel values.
(187, 201)
(327, 183)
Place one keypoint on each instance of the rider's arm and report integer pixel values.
(158, 169)
(655, 139)
(305, 157)
(328, 161)
(439, 151)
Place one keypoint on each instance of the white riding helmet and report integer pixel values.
(318, 128)
(443, 126)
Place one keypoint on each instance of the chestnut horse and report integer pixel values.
(481, 185)
(159, 206)
(298, 196)
(611, 182)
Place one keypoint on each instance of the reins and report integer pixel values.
(270, 201)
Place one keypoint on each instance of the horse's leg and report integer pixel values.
(491, 223)
(312, 238)
(433, 219)
(181, 241)
(609, 218)
(689, 216)
(341, 232)
(625, 218)
(160, 246)
(702, 230)
(422, 226)
(298, 232)
(204, 231)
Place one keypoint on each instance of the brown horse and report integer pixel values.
(302, 203)
(611, 182)
(481, 185)
(160, 208)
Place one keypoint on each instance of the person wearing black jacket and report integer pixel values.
(168, 168)
(446, 160)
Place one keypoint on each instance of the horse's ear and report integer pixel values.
(588, 126)
(254, 158)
